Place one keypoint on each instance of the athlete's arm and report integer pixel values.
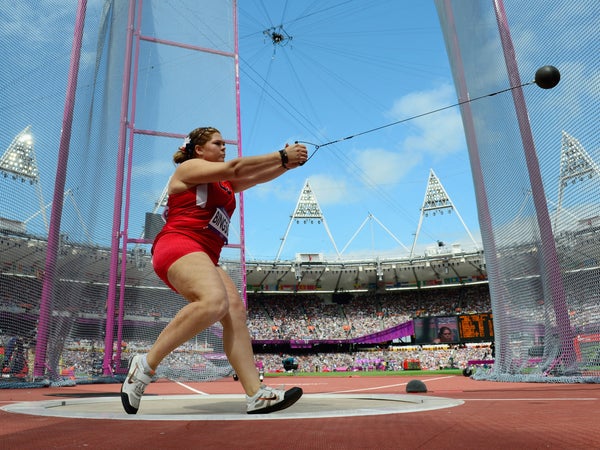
(295, 155)
(265, 175)
(242, 172)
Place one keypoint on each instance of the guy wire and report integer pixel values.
(318, 146)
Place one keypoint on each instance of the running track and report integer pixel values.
(493, 416)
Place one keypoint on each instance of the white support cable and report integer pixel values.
(69, 193)
(371, 217)
(162, 200)
(390, 233)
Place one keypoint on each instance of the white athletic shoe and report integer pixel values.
(134, 385)
(268, 400)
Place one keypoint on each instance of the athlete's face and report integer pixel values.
(214, 149)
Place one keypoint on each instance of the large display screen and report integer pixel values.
(454, 329)
(476, 327)
(436, 330)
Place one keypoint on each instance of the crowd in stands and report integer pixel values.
(281, 316)
(302, 317)
(86, 357)
(393, 358)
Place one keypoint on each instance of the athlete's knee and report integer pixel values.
(214, 304)
(236, 317)
(237, 310)
(236, 306)
(215, 310)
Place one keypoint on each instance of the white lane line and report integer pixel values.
(387, 386)
(438, 378)
(558, 399)
(191, 388)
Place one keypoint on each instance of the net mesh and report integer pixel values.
(533, 156)
(79, 295)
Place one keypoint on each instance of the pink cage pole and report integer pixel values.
(128, 124)
(240, 152)
(58, 199)
(118, 200)
(125, 233)
(553, 277)
(483, 208)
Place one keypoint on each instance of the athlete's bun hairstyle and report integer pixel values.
(198, 136)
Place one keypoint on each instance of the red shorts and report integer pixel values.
(172, 246)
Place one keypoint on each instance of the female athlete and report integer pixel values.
(185, 256)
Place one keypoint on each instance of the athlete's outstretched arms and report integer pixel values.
(295, 155)
(243, 172)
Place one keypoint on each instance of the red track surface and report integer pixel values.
(494, 415)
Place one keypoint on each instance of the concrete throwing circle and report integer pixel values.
(232, 407)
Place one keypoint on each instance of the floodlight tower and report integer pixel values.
(307, 208)
(575, 165)
(18, 161)
(437, 200)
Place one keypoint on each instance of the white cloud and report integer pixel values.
(331, 190)
(385, 167)
(281, 189)
(436, 134)
(42, 23)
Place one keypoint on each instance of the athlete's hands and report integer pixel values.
(297, 155)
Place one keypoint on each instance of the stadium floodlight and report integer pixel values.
(437, 200)
(19, 162)
(576, 165)
(19, 158)
(307, 208)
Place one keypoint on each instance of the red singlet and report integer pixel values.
(197, 220)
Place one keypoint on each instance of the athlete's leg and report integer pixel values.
(198, 280)
(236, 338)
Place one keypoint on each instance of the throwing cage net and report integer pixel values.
(534, 156)
(83, 179)
(97, 98)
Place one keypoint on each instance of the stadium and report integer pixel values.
(516, 301)
(307, 283)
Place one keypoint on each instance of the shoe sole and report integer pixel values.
(126, 405)
(125, 397)
(290, 397)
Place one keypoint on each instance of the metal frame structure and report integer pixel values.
(437, 200)
(19, 161)
(576, 165)
(126, 138)
(120, 235)
(307, 208)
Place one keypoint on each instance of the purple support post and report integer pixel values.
(130, 125)
(552, 277)
(118, 199)
(58, 199)
(240, 152)
(483, 209)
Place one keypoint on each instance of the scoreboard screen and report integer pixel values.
(436, 330)
(476, 327)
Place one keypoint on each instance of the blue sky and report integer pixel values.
(344, 68)
(341, 69)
